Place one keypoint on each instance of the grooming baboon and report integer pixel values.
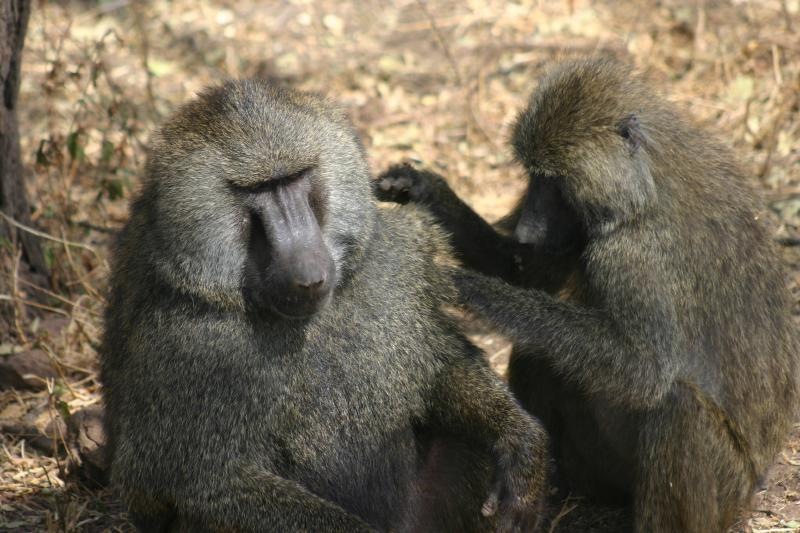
(666, 371)
(275, 356)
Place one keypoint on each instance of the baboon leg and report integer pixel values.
(673, 493)
(257, 500)
(536, 386)
(587, 463)
(149, 514)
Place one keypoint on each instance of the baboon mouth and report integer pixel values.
(292, 316)
(299, 310)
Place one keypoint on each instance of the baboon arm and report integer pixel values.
(476, 243)
(471, 401)
(257, 500)
(631, 359)
(480, 247)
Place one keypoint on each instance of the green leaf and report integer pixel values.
(13, 524)
(74, 146)
(41, 156)
(160, 68)
(114, 188)
(107, 152)
(49, 256)
(10, 349)
(63, 409)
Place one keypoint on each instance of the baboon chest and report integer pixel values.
(349, 446)
(341, 418)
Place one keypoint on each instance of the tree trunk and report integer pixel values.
(14, 16)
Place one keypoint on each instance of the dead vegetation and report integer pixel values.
(437, 81)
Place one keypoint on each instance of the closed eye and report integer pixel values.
(276, 181)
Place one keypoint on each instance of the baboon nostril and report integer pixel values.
(309, 285)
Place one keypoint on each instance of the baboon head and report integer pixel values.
(258, 199)
(583, 140)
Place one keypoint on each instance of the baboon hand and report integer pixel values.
(517, 492)
(477, 291)
(403, 184)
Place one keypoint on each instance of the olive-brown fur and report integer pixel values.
(655, 341)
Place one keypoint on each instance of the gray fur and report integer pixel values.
(224, 417)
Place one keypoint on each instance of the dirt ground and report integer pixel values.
(433, 81)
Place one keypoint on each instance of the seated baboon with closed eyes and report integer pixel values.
(276, 357)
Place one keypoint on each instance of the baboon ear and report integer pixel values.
(630, 129)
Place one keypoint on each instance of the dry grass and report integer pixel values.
(433, 81)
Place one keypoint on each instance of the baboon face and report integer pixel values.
(262, 199)
(585, 149)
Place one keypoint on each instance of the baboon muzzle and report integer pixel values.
(295, 265)
(545, 220)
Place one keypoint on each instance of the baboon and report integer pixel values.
(651, 334)
(276, 357)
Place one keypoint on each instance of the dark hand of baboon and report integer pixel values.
(648, 309)
(403, 184)
(517, 490)
(261, 370)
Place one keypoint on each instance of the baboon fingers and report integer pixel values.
(402, 183)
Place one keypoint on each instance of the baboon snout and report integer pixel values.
(299, 279)
(310, 286)
(545, 220)
(529, 232)
(310, 272)
(290, 268)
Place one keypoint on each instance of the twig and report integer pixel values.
(7, 298)
(107, 7)
(47, 236)
(771, 140)
(81, 278)
(17, 300)
(56, 362)
(56, 296)
(411, 27)
(139, 21)
(776, 64)
(788, 241)
(699, 31)
(93, 227)
(440, 39)
(456, 70)
(565, 510)
(787, 17)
